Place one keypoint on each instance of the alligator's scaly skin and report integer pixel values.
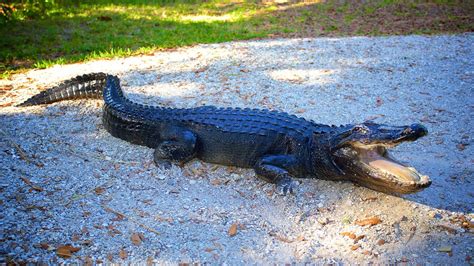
(277, 145)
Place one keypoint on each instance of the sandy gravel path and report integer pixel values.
(84, 188)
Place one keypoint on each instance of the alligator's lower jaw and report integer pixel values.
(383, 173)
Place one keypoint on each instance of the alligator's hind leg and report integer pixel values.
(178, 146)
(275, 168)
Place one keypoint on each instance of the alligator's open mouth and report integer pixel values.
(366, 160)
(386, 173)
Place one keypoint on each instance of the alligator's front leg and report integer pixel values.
(275, 169)
(178, 146)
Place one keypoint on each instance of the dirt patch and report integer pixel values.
(375, 18)
(71, 193)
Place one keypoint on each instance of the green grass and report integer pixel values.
(71, 35)
(109, 29)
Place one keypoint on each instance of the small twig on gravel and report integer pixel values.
(412, 233)
(106, 208)
(29, 183)
(100, 157)
(79, 196)
(20, 151)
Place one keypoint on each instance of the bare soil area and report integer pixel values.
(71, 192)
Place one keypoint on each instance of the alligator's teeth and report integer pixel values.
(425, 179)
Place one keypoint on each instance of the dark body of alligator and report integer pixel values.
(277, 145)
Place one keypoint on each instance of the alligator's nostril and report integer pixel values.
(413, 132)
(407, 131)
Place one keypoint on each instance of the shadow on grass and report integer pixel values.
(105, 30)
(108, 31)
(93, 38)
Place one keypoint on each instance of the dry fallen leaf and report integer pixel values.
(6, 104)
(216, 182)
(380, 242)
(149, 261)
(99, 190)
(448, 228)
(358, 238)
(118, 217)
(369, 199)
(88, 261)
(233, 230)
(463, 222)
(113, 231)
(6, 87)
(164, 219)
(84, 230)
(137, 238)
(200, 70)
(281, 238)
(66, 251)
(75, 237)
(369, 221)
(467, 225)
(209, 249)
(355, 247)
(348, 234)
(123, 254)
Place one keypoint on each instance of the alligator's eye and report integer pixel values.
(360, 129)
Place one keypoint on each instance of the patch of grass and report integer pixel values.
(106, 28)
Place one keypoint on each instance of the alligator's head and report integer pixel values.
(360, 154)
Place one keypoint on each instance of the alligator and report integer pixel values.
(277, 145)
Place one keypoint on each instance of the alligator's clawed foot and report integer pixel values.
(286, 186)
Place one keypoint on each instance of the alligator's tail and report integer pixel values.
(81, 87)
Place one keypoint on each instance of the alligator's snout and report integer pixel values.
(362, 153)
(413, 132)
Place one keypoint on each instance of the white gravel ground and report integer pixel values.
(79, 178)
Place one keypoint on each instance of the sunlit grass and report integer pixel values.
(107, 29)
